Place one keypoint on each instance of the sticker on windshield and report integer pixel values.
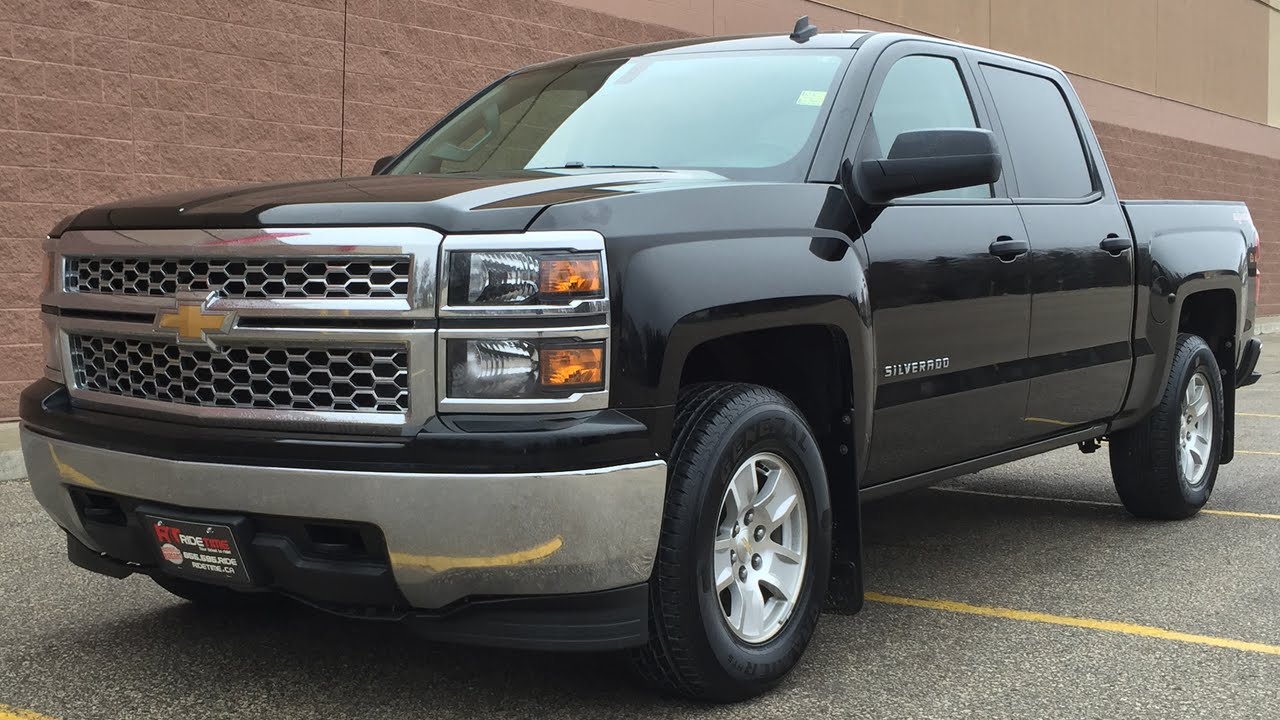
(812, 97)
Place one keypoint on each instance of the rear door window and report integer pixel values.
(1043, 138)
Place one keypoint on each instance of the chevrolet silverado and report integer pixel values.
(612, 356)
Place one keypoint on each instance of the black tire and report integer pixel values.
(217, 597)
(691, 650)
(1144, 458)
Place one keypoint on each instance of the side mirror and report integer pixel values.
(924, 161)
(381, 164)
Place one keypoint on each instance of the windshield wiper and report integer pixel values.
(579, 165)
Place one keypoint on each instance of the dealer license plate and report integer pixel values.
(199, 551)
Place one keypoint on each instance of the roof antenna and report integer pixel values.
(804, 30)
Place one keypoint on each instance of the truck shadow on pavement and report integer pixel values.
(292, 653)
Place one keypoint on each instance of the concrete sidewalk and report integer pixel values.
(11, 466)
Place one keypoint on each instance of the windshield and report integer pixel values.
(749, 115)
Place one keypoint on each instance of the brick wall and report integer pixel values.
(410, 61)
(104, 100)
(1150, 166)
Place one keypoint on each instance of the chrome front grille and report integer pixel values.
(305, 329)
(359, 380)
(365, 277)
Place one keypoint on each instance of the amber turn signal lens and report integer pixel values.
(572, 366)
(569, 276)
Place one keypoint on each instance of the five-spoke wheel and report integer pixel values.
(759, 554)
(1195, 431)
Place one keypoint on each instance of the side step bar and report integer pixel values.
(932, 477)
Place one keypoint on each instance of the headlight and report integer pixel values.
(515, 278)
(523, 369)
(560, 364)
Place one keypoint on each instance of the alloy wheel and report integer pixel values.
(758, 560)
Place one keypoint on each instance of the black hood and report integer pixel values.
(449, 203)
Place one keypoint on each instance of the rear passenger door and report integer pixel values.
(1082, 261)
(950, 303)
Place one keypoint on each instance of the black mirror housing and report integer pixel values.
(381, 164)
(925, 161)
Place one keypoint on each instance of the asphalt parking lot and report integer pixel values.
(1021, 591)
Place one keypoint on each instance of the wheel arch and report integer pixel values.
(818, 355)
(1212, 315)
(843, 390)
(1208, 307)
(810, 364)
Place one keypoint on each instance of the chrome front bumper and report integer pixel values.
(448, 536)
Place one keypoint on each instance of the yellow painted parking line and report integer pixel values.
(1258, 452)
(13, 713)
(1241, 513)
(1101, 503)
(1110, 626)
(1262, 415)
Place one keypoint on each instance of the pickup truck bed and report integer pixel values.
(1215, 246)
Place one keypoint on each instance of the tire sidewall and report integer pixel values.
(1201, 360)
(776, 429)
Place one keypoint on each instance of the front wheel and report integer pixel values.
(1165, 467)
(745, 552)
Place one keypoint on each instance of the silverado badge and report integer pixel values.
(918, 366)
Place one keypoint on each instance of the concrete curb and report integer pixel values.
(11, 465)
(1267, 325)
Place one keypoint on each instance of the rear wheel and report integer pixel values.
(1165, 467)
(744, 556)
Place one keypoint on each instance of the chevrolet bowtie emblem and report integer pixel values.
(193, 321)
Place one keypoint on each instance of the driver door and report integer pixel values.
(950, 293)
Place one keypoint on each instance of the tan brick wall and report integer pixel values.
(1150, 166)
(411, 61)
(105, 100)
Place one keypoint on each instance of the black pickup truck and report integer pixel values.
(611, 356)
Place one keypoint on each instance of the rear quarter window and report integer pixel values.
(1047, 151)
